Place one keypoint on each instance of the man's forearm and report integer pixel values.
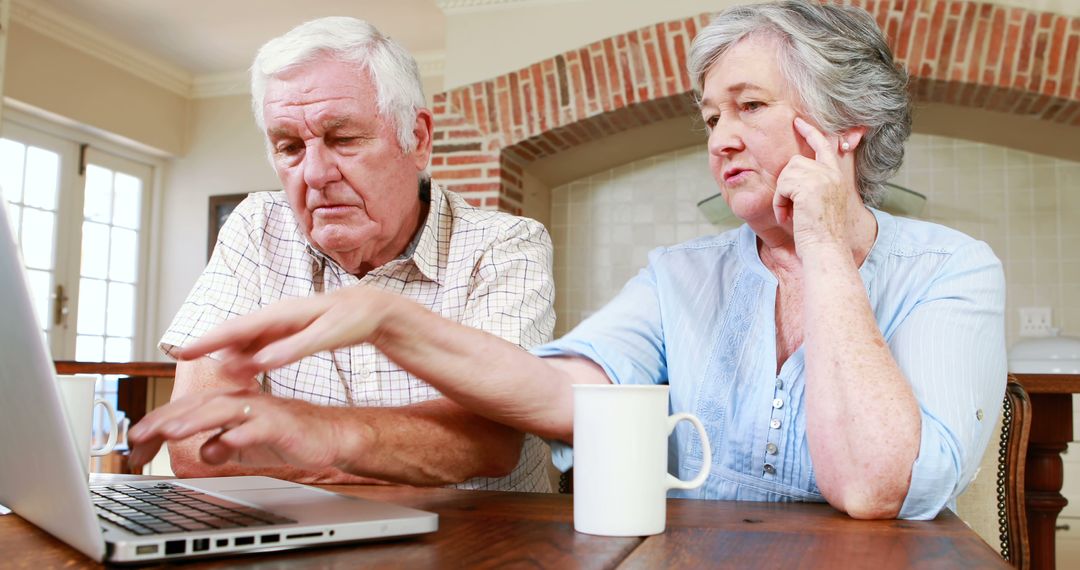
(186, 463)
(432, 443)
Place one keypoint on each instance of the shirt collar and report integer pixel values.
(748, 248)
(428, 248)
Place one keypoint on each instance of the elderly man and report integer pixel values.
(349, 137)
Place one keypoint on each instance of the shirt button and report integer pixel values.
(770, 469)
(779, 384)
(979, 414)
(778, 403)
(771, 449)
(367, 375)
(775, 424)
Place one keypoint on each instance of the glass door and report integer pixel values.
(111, 264)
(39, 181)
(80, 218)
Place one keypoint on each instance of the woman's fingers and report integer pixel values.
(250, 332)
(824, 149)
(333, 329)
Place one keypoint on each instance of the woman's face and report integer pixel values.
(749, 110)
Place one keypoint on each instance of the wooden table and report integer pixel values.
(483, 529)
(1051, 432)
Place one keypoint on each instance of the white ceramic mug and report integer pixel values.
(77, 392)
(621, 459)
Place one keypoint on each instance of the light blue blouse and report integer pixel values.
(700, 317)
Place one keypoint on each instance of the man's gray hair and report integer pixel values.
(838, 64)
(393, 71)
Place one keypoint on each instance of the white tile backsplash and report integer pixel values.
(1026, 206)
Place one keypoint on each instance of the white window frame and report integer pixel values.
(107, 150)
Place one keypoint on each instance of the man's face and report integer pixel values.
(352, 188)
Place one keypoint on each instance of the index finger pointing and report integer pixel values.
(823, 148)
(276, 321)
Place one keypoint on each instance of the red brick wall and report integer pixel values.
(973, 54)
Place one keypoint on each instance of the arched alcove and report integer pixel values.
(1007, 61)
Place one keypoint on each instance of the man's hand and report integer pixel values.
(252, 429)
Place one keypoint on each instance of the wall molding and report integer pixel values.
(451, 7)
(225, 84)
(73, 33)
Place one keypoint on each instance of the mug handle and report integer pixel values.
(676, 483)
(109, 445)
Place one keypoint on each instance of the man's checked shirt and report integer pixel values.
(485, 269)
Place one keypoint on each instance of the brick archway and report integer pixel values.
(975, 55)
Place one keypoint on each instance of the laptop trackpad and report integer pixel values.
(300, 502)
(230, 484)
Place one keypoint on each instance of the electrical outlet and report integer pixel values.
(1035, 321)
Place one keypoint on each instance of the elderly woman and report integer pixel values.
(833, 351)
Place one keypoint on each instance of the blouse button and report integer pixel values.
(770, 469)
(771, 449)
(775, 424)
(778, 403)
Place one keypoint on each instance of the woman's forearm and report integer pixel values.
(863, 422)
(488, 375)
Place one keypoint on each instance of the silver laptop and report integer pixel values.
(43, 479)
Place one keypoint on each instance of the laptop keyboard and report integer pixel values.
(164, 508)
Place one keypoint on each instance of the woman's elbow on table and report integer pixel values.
(871, 502)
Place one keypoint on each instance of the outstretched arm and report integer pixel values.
(483, 373)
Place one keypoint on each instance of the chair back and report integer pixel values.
(994, 506)
(1012, 455)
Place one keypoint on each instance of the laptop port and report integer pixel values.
(175, 546)
(269, 538)
(302, 535)
(200, 545)
(146, 549)
(244, 540)
(221, 542)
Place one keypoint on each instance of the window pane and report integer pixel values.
(89, 348)
(95, 250)
(124, 256)
(118, 349)
(14, 214)
(37, 238)
(91, 307)
(121, 319)
(12, 157)
(40, 291)
(42, 172)
(128, 201)
(97, 204)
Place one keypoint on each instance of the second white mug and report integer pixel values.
(621, 459)
(77, 392)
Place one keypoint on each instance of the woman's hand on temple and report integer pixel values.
(290, 330)
(810, 193)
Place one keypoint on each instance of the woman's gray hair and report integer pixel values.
(393, 71)
(838, 64)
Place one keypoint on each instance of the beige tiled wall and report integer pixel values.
(1026, 206)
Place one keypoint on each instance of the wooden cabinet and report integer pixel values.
(1068, 524)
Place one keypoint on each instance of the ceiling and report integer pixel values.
(207, 37)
